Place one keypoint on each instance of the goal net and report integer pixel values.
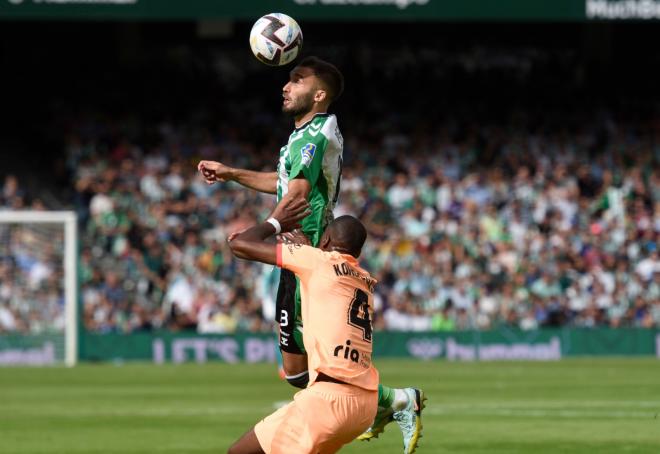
(38, 288)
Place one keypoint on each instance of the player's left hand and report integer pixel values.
(289, 212)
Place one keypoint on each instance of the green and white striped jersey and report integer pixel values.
(314, 150)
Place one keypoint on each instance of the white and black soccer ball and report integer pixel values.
(276, 39)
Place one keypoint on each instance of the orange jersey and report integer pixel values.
(337, 309)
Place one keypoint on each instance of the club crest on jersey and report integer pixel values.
(307, 153)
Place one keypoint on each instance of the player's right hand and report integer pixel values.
(289, 212)
(214, 171)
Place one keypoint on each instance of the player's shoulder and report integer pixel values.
(323, 119)
(321, 124)
(320, 254)
(302, 249)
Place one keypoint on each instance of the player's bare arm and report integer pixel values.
(251, 244)
(299, 188)
(214, 171)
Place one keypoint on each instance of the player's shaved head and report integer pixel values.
(346, 234)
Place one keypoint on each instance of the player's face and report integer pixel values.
(299, 92)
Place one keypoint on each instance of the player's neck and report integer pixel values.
(304, 118)
(341, 250)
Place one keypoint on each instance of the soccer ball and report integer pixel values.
(276, 39)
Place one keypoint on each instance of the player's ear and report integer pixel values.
(320, 95)
(325, 241)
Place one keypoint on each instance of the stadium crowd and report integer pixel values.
(549, 229)
(540, 218)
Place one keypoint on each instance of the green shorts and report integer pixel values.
(287, 310)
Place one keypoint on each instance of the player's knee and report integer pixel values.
(299, 380)
(294, 363)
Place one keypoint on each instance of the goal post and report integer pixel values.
(43, 225)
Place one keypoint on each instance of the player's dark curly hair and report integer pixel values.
(328, 73)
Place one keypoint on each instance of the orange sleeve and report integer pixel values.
(278, 257)
(298, 258)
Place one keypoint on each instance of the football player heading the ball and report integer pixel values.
(309, 168)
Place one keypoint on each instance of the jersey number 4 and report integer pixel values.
(358, 314)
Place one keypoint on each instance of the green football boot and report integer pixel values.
(410, 419)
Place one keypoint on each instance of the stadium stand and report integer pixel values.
(540, 214)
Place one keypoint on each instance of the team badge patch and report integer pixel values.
(307, 153)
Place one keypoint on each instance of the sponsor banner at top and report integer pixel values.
(329, 10)
(447, 10)
(623, 9)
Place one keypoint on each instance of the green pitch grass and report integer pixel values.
(576, 406)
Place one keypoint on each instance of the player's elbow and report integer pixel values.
(238, 248)
(273, 178)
